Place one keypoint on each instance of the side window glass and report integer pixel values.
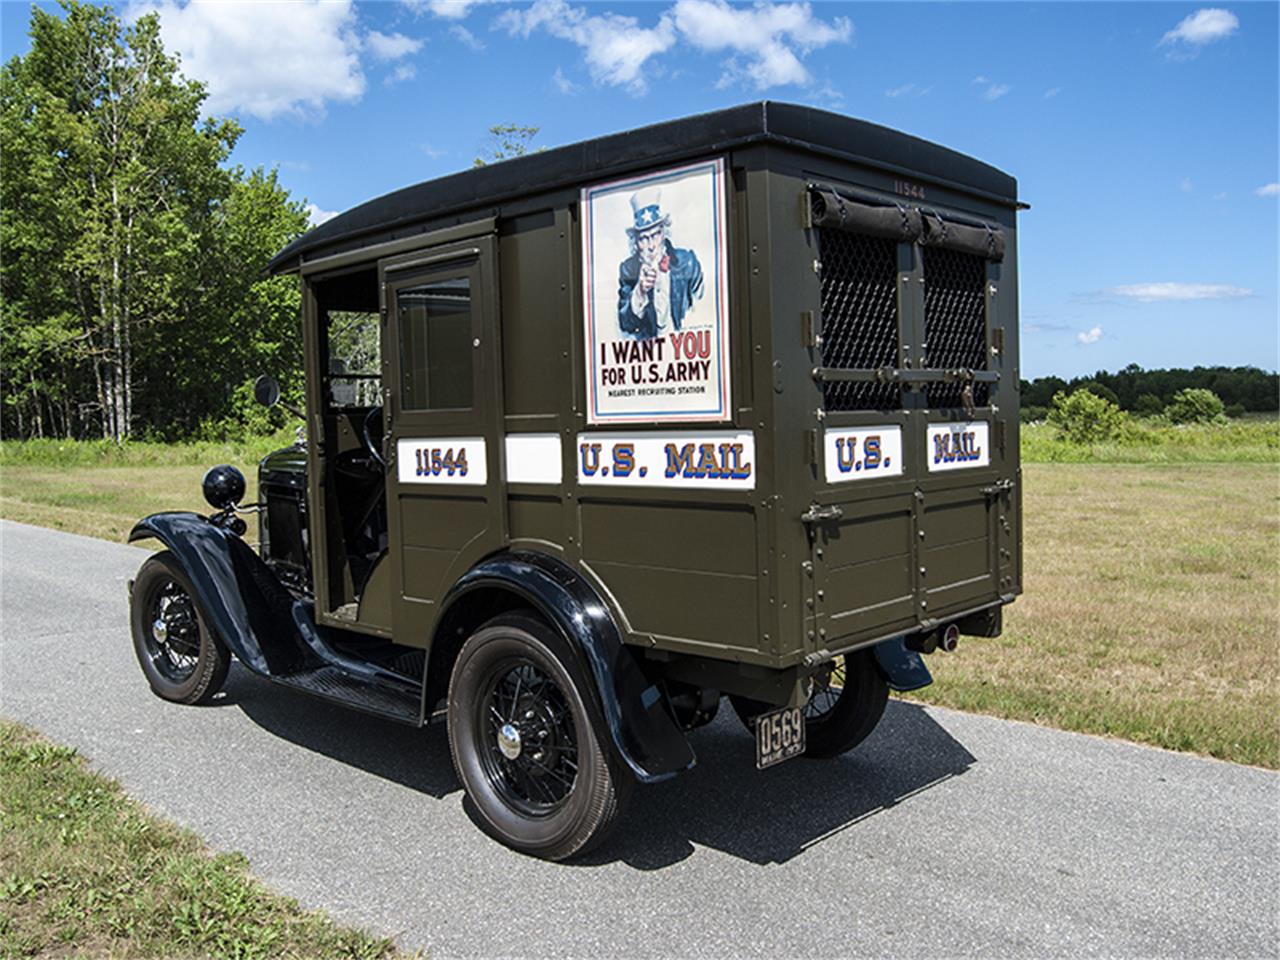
(435, 345)
(354, 376)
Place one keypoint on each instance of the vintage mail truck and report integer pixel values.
(595, 437)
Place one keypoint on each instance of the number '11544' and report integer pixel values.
(435, 461)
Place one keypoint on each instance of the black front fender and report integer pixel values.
(240, 597)
(642, 730)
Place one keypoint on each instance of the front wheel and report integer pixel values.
(524, 743)
(182, 658)
(848, 699)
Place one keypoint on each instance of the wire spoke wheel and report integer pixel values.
(183, 659)
(173, 641)
(847, 700)
(828, 685)
(527, 747)
(529, 738)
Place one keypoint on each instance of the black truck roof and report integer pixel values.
(618, 153)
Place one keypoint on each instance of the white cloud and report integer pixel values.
(1185, 185)
(766, 42)
(1169, 291)
(317, 216)
(269, 59)
(1092, 335)
(992, 90)
(466, 37)
(1203, 26)
(1268, 190)
(563, 83)
(771, 38)
(907, 90)
(616, 47)
(1052, 92)
(1044, 326)
(432, 152)
(448, 9)
(1220, 196)
(405, 71)
(391, 46)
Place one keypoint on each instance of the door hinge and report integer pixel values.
(811, 446)
(818, 513)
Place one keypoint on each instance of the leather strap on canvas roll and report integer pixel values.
(986, 241)
(893, 221)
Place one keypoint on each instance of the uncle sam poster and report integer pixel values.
(655, 302)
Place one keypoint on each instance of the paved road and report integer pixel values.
(945, 834)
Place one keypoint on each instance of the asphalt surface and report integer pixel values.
(944, 834)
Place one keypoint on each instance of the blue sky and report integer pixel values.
(1144, 135)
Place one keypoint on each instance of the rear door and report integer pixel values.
(443, 440)
(901, 527)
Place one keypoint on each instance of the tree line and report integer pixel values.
(131, 252)
(1145, 392)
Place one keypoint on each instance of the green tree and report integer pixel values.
(506, 140)
(1100, 390)
(1195, 405)
(106, 196)
(1083, 417)
(1148, 405)
(130, 255)
(240, 324)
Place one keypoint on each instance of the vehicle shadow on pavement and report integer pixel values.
(763, 816)
(771, 816)
(414, 758)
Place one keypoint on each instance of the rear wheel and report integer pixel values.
(181, 657)
(524, 743)
(848, 699)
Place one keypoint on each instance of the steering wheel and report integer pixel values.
(372, 426)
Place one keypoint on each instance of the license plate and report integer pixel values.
(779, 736)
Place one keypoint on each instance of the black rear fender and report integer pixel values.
(644, 734)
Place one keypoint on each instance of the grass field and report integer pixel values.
(1152, 605)
(87, 872)
(1151, 612)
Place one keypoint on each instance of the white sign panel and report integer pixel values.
(862, 453)
(442, 460)
(676, 458)
(533, 458)
(957, 446)
(655, 297)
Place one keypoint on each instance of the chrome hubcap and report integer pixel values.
(509, 741)
(160, 630)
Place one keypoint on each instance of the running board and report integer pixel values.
(367, 695)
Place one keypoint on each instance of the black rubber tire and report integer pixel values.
(855, 714)
(213, 659)
(601, 787)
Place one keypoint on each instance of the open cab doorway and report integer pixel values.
(347, 467)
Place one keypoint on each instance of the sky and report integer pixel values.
(1143, 135)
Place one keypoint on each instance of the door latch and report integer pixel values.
(821, 514)
(999, 487)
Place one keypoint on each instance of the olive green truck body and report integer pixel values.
(720, 402)
(708, 571)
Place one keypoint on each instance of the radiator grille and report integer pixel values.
(955, 321)
(859, 316)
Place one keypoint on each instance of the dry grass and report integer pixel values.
(1152, 610)
(103, 502)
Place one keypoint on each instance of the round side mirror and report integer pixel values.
(223, 486)
(266, 391)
